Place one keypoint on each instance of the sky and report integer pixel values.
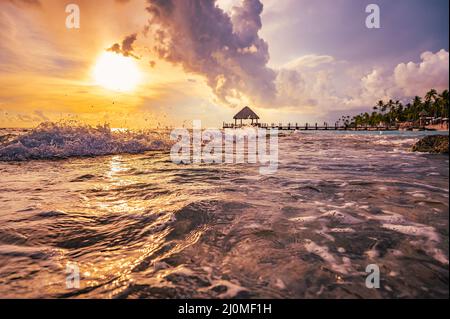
(289, 60)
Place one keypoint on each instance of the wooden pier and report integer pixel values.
(247, 114)
(314, 127)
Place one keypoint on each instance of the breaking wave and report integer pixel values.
(64, 140)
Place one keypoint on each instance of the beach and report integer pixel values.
(139, 226)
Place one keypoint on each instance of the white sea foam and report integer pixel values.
(61, 140)
(342, 230)
(232, 289)
(324, 253)
(417, 194)
(414, 230)
(422, 231)
(342, 217)
(396, 142)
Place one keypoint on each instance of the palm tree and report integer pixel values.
(417, 107)
(390, 106)
(444, 103)
(417, 100)
(432, 103)
(431, 95)
(398, 113)
(374, 119)
(380, 104)
(408, 112)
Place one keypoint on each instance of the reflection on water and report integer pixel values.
(139, 226)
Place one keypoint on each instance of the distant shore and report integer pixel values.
(437, 127)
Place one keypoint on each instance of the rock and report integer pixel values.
(437, 144)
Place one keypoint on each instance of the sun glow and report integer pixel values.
(116, 72)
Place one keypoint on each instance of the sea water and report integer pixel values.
(137, 225)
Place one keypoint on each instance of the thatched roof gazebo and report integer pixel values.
(246, 114)
(423, 113)
(423, 118)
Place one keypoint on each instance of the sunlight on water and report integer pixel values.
(138, 225)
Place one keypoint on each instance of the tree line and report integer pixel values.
(392, 112)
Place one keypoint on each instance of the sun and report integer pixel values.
(116, 72)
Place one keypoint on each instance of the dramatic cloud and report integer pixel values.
(408, 79)
(309, 61)
(306, 82)
(377, 85)
(227, 50)
(324, 84)
(126, 49)
(431, 72)
(315, 68)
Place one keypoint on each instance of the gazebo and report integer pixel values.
(246, 114)
(423, 118)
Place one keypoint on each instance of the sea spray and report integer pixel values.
(62, 140)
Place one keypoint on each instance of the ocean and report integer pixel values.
(115, 209)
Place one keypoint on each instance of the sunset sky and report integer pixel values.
(290, 60)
